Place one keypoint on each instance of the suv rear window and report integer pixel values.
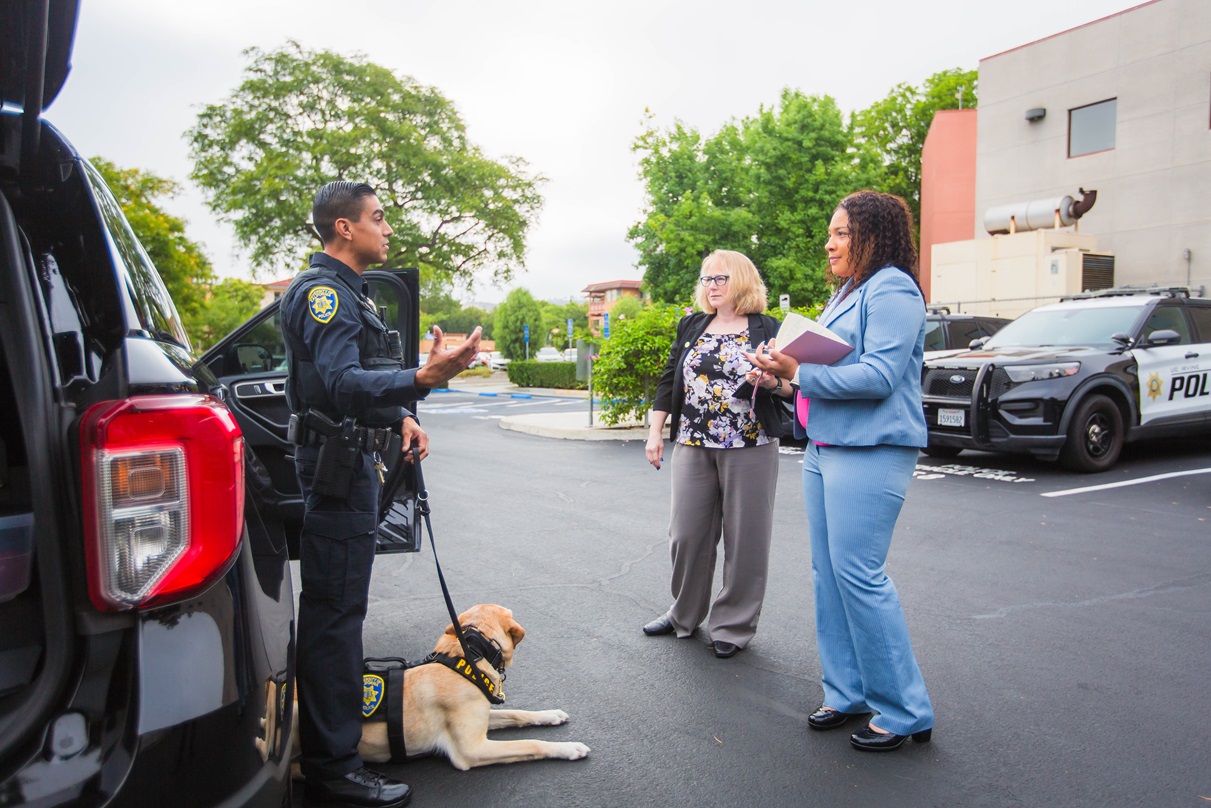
(153, 307)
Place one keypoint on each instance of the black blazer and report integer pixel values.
(670, 392)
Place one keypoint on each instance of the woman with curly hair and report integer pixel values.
(725, 465)
(865, 425)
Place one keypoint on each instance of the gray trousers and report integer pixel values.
(728, 492)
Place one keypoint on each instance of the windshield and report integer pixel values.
(1092, 327)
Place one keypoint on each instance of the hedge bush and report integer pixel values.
(530, 373)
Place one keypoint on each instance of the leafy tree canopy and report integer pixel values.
(767, 185)
(303, 118)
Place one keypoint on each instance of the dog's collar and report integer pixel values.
(467, 669)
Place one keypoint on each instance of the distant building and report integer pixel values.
(604, 296)
(274, 290)
(1120, 105)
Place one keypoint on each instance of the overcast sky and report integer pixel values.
(562, 84)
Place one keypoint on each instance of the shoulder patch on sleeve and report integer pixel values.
(323, 303)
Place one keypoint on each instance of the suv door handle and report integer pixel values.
(1191, 354)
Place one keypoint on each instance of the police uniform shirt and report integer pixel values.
(333, 333)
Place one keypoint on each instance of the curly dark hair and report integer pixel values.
(880, 235)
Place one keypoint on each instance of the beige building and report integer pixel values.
(1121, 105)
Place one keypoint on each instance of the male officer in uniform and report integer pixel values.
(346, 386)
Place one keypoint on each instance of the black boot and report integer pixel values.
(357, 789)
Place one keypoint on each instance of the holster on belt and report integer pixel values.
(340, 445)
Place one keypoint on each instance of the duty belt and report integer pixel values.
(312, 427)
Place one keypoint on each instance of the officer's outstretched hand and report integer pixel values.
(413, 435)
(446, 363)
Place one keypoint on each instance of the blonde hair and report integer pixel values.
(745, 289)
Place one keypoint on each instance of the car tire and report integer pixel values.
(944, 452)
(1095, 436)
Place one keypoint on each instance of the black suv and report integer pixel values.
(147, 498)
(947, 334)
(1077, 379)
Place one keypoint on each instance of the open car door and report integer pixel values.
(250, 362)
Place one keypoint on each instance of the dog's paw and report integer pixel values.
(572, 750)
(551, 718)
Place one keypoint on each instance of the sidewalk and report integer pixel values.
(564, 425)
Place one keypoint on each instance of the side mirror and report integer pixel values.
(1162, 336)
(1122, 339)
(977, 344)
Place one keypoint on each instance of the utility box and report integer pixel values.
(1007, 275)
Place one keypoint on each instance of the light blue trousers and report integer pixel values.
(853, 497)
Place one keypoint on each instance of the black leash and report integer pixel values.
(481, 652)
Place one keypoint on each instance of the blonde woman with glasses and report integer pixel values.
(725, 465)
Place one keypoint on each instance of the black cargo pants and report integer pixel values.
(336, 553)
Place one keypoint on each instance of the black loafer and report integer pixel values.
(725, 649)
(867, 740)
(661, 625)
(828, 718)
(357, 789)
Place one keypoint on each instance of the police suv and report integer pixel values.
(1077, 379)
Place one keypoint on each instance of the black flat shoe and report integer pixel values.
(828, 718)
(358, 788)
(661, 625)
(725, 649)
(867, 740)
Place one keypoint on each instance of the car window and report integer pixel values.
(1201, 315)
(935, 339)
(1167, 318)
(990, 327)
(962, 332)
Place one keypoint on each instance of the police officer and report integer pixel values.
(345, 387)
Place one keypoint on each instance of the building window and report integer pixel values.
(1091, 128)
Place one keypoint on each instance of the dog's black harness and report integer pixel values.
(383, 683)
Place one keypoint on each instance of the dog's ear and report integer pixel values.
(450, 630)
(516, 632)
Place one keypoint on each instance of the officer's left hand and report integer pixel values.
(413, 434)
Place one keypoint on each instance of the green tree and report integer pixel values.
(765, 186)
(631, 360)
(230, 303)
(302, 118)
(894, 128)
(185, 270)
(518, 310)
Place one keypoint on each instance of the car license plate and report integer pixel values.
(952, 417)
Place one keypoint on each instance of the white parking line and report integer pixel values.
(1151, 479)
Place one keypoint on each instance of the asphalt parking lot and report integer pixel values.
(1061, 621)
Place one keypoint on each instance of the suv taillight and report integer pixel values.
(163, 480)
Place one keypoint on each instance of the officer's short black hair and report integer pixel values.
(338, 200)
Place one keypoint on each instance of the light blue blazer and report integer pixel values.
(872, 395)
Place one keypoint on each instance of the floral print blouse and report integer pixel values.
(711, 418)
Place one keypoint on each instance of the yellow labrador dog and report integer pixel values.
(445, 711)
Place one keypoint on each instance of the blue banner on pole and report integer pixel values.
(526, 332)
(569, 328)
(605, 325)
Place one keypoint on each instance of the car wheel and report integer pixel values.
(942, 451)
(1095, 436)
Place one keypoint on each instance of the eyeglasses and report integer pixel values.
(718, 280)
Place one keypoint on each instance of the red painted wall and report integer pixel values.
(948, 183)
